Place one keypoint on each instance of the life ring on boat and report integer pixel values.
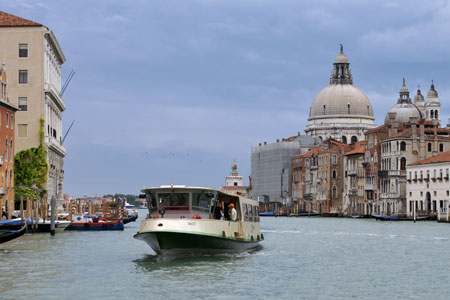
(196, 217)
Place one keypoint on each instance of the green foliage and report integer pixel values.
(31, 168)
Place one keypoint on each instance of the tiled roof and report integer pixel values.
(382, 127)
(8, 20)
(358, 150)
(444, 157)
(311, 152)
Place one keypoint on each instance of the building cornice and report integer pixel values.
(52, 38)
(50, 89)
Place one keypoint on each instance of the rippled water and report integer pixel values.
(301, 258)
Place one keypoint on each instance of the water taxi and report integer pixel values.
(196, 218)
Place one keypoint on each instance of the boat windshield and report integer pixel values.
(202, 201)
(173, 201)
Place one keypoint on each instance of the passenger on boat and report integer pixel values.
(218, 209)
(233, 212)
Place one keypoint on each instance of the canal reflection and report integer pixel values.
(189, 259)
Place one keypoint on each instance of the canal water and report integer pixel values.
(301, 258)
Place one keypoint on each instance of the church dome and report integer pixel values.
(404, 109)
(432, 94)
(341, 99)
(419, 97)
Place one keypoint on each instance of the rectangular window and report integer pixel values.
(23, 103)
(7, 120)
(12, 122)
(174, 201)
(22, 130)
(23, 50)
(23, 76)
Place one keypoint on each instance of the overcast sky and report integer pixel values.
(172, 91)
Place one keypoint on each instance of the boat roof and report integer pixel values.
(173, 187)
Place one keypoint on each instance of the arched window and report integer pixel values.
(344, 139)
(436, 114)
(320, 138)
(441, 147)
(348, 108)
(334, 192)
(324, 107)
(403, 163)
(334, 174)
(354, 139)
(429, 147)
(402, 146)
(432, 114)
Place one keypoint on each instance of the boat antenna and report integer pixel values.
(68, 130)
(66, 83)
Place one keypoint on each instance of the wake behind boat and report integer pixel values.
(195, 218)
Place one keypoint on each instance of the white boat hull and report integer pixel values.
(176, 234)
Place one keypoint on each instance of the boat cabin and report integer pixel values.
(198, 203)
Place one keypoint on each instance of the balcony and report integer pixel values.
(369, 187)
(55, 145)
(353, 192)
(352, 172)
(397, 173)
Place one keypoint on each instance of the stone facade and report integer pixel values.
(34, 56)
(428, 190)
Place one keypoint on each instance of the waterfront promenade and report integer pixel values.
(301, 258)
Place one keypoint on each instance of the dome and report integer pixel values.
(432, 93)
(341, 99)
(403, 111)
(341, 59)
(419, 97)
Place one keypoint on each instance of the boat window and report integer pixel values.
(202, 201)
(151, 202)
(248, 212)
(174, 201)
(255, 214)
(244, 208)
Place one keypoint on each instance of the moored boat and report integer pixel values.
(100, 225)
(87, 222)
(42, 226)
(195, 219)
(7, 235)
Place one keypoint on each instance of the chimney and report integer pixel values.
(298, 133)
(278, 140)
(265, 143)
(259, 144)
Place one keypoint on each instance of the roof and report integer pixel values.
(358, 150)
(441, 158)
(234, 188)
(8, 20)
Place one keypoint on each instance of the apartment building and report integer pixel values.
(34, 59)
